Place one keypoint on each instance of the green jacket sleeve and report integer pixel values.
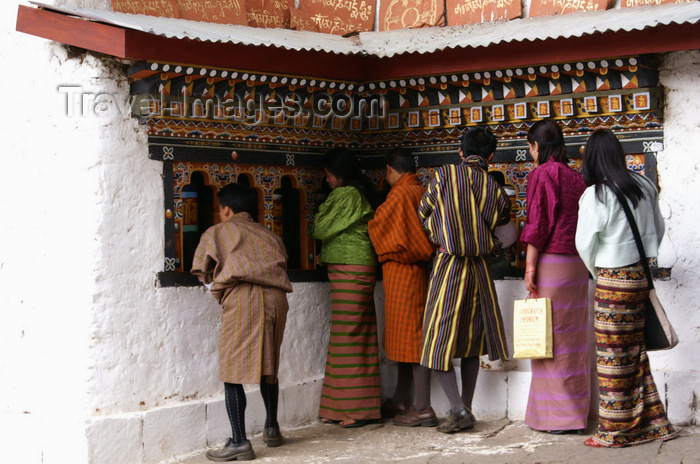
(342, 208)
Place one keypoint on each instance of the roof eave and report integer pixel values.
(455, 55)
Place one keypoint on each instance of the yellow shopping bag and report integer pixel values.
(532, 328)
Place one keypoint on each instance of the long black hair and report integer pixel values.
(550, 141)
(345, 166)
(604, 164)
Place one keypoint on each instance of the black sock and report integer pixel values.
(270, 393)
(470, 371)
(421, 378)
(404, 382)
(235, 406)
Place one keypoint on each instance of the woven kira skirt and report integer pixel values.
(351, 387)
(630, 410)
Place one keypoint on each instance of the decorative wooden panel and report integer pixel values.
(228, 123)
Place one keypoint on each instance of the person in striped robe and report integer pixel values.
(245, 267)
(460, 209)
(351, 387)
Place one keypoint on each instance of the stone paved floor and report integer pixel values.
(492, 442)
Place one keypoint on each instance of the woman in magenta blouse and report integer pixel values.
(560, 389)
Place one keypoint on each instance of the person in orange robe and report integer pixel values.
(403, 249)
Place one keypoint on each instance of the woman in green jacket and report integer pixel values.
(351, 387)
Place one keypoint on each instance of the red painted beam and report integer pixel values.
(142, 46)
(137, 45)
(661, 39)
(72, 31)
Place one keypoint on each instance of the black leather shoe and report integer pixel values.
(461, 420)
(272, 437)
(232, 452)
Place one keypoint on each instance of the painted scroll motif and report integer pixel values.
(164, 8)
(554, 7)
(479, 11)
(340, 17)
(400, 14)
(214, 11)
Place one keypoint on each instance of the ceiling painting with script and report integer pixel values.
(399, 14)
(631, 3)
(164, 8)
(478, 11)
(340, 16)
(268, 13)
(301, 21)
(554, 7)
(214, 11)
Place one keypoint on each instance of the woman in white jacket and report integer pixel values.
(630, 411)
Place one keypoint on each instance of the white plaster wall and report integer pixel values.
(50, 205)
(679, 169)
